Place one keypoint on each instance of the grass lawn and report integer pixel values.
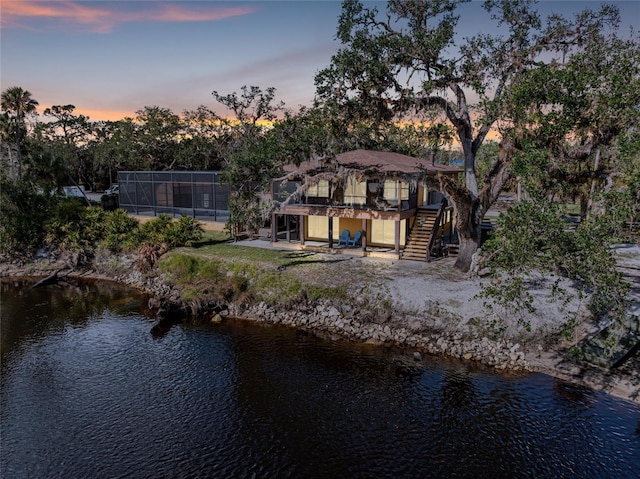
(216, 267)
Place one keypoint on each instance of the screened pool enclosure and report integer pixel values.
(199, 194)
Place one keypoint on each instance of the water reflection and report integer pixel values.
(29, 313)
(93, 394)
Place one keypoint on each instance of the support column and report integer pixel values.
(301, 229)
(330, 231)
(274, 227)
(287, 225)
(397, 237)
(364, 235)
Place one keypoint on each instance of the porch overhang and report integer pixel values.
(347, 212)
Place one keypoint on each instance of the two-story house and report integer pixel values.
(371, 201)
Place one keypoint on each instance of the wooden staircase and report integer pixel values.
(420, 237)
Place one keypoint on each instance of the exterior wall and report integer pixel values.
(379, 232)
(434, 198)
(316, 221)
(350, 224)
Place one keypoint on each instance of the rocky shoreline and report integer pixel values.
(341, 322)
(326, 319)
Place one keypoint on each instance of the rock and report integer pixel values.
(216, 319)
(417, 356)
(333, 312)
(467, 356)
(154, 303)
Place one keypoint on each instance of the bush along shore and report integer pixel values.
(368, 302)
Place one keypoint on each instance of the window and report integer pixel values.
(384, 232)
(318, 227)
(319, 190)
(391, 190)
(355, 192)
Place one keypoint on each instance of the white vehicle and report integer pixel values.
(113, 190)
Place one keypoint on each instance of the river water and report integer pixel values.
(88, 392)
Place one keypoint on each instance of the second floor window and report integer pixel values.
(391, 190)
(355, 192)
(319, 190)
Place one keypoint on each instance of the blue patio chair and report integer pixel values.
(353, 242)
(344, 239)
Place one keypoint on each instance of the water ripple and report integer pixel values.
(101, 397)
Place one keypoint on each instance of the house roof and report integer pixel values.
(383, 161)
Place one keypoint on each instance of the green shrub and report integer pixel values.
(63, 228)
(154, 231)
(93, 221)
(184, 232)
(532, 239)
(122, 232)
(29, 218)
(72, 226)
(164, 230)
(23, 212)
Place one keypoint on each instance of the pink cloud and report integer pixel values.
(100, 19)
(175, 13)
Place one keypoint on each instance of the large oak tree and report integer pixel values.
(413, 60)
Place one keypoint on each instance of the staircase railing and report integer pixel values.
(436, 226)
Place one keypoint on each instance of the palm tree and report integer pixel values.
(17, 101)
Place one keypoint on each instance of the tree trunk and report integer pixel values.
(468, 247)
(469, 226)
(18, 148)
(470, 207)
(12, 173)
(468, 218)
(51, 279)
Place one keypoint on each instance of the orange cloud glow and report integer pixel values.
(104, 115)
(102, 20)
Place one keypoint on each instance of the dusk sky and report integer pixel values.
(112, 58)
